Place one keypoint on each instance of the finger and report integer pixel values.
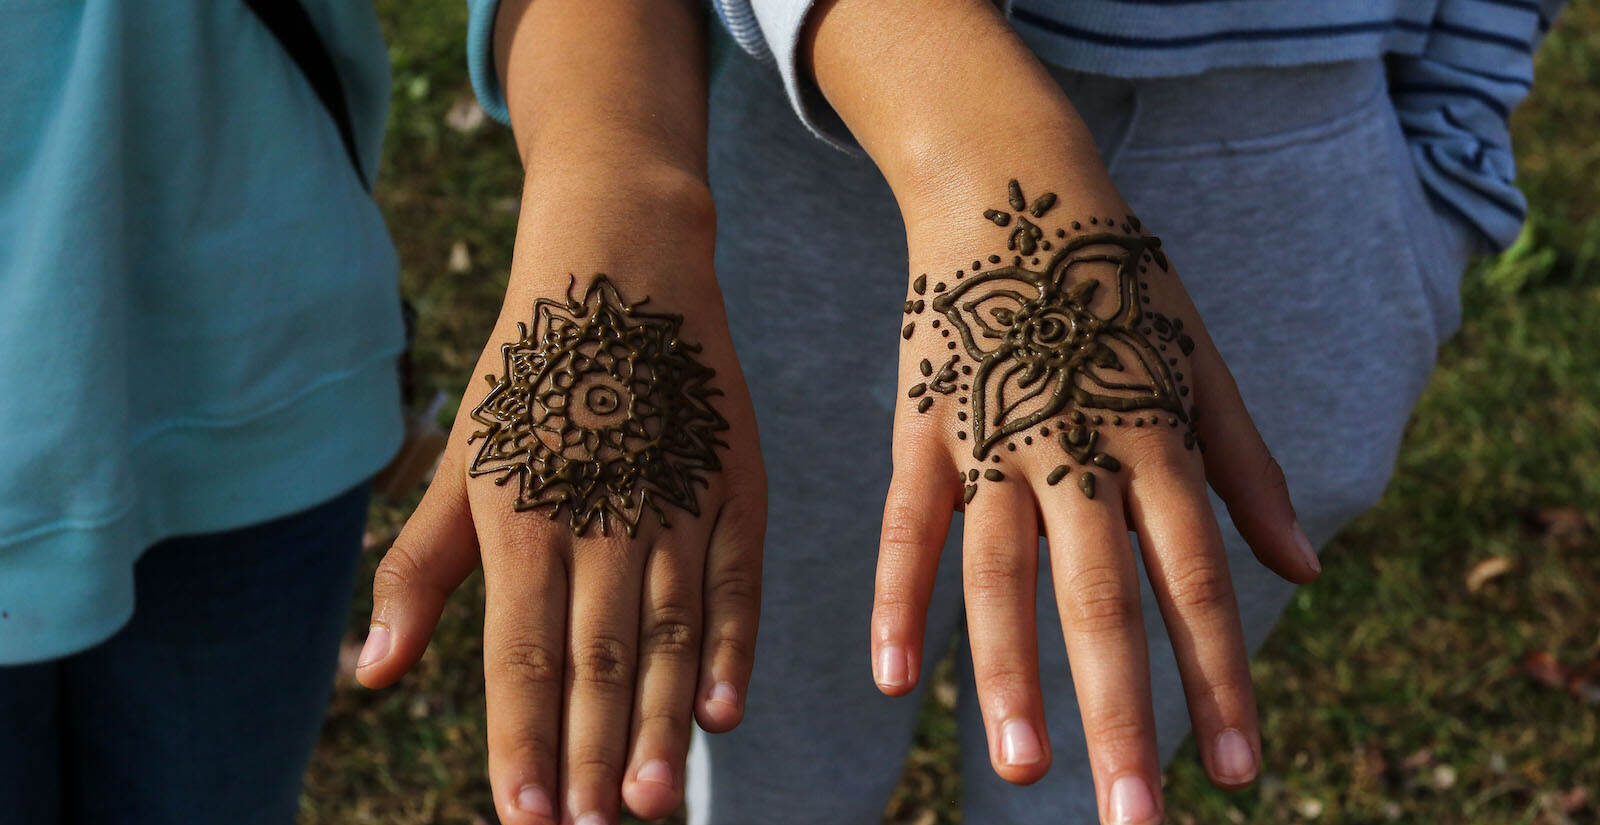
(1097, 595)
(733, 608)
(1188, 568)
(999, 572)
(669, 654)
(916, 519)
(602, 644)
(1245, 475)
(435, 551)
(524, 637)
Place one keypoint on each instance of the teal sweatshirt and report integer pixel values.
(199, 317)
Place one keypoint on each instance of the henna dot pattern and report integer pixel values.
(602, 412)
(1060, 334)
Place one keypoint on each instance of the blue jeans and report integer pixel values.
(205, 707)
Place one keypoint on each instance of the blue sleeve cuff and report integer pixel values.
(480, 58)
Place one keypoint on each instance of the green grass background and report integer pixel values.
(1389, 692)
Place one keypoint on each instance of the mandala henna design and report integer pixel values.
(1056, 339)
(602, 410)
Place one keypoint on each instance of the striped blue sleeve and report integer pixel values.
(1455, 98)
(480, 58)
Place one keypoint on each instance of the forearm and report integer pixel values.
(937, 109)
(614, 84)
(607, 99)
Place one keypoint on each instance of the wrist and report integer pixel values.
(955, 112)
(646, 224)
(587, 79)
(618, 203)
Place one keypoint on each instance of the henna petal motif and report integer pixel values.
(1017, 400)
(1136, 381)
(982, 308)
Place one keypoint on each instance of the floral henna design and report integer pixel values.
(602, 410)
(1070, 339)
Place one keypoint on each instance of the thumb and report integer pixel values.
(435, 551)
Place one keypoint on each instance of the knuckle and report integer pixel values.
(1232, 691)
(996, 575)
(1272, 472)
(735, 585)
(905, 531)
(1102, 602)
(527, 662)
(916, 439)
(1002, 680)
(1200, 588)
(747, 491)
(398, 572)
(594, 764)
(672, 724)
(729, 646)
(1118, 730)
(528, 747)
(892, 604)
(602, 660)
(1164, 458)
(671, 634)
(742, 521)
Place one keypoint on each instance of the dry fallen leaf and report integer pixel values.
(1574, 800)
(1544, 669)
(1419, 760)
(460, 257)
(465, 115)
(1563, 525)
(1490, 568)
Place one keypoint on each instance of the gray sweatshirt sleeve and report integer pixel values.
(769, 30)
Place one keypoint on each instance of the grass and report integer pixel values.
(1391, 691)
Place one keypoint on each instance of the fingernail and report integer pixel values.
(1303, 544)
(723, 692)
(893, 665)
(1131, 802)
(590, 819)
(656, 771)
(1234, 759)
(376, 647)
(1019, 745)
(532, 799)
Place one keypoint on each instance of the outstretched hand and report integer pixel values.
(1056, 378)
(605, 471)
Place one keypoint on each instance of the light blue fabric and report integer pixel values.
(480, 58)
(1458, 67)
(200, 315)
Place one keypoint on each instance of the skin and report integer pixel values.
(603, 638)
(950, 117)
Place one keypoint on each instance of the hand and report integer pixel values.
(1054, 361)
(606, 471)
(1055, 375)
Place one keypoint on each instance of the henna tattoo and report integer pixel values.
(1053, 339)
(601, 410)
